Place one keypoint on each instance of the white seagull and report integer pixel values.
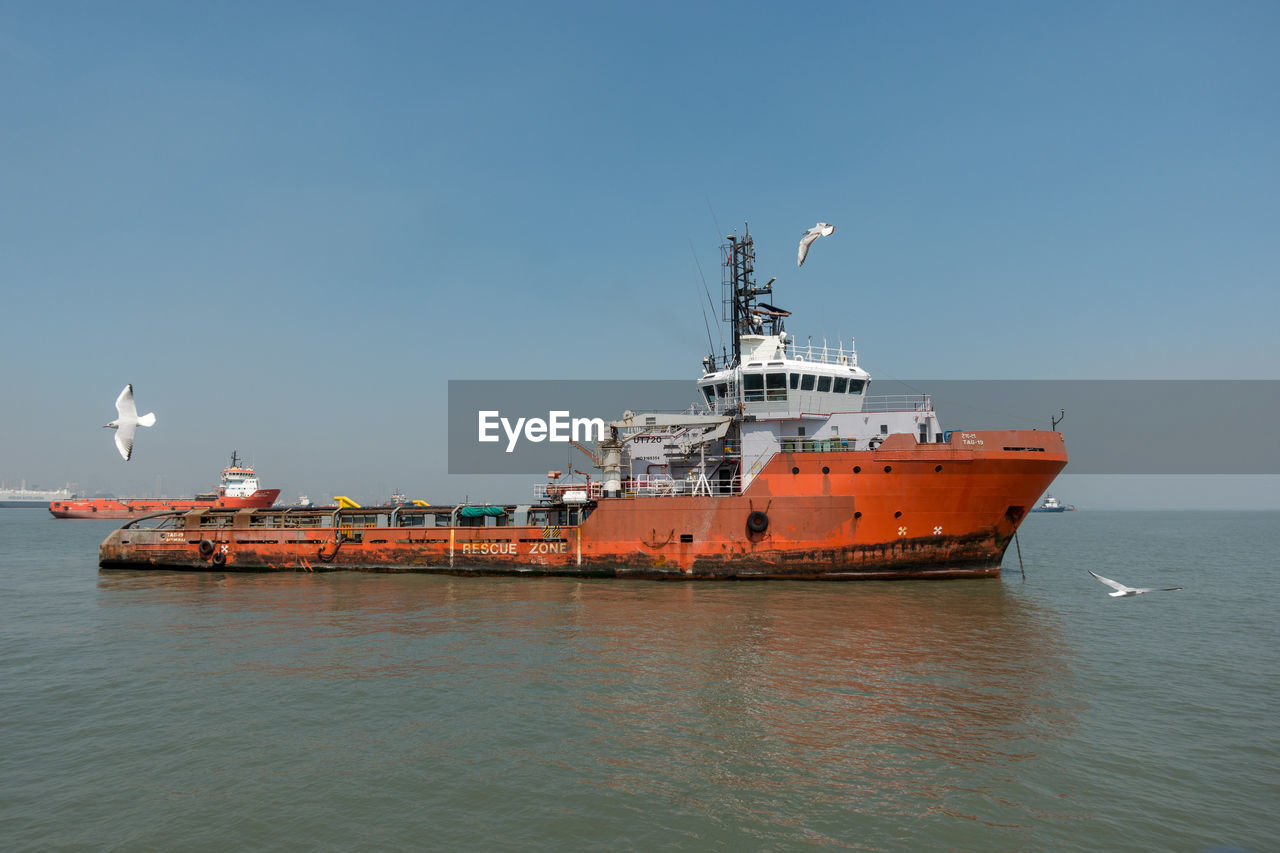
(128, 422)
(822, 229)
(1122, 590)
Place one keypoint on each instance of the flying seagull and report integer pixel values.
(128, 421)
(822, 229)
(1122, 590)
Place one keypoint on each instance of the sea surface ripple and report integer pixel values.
(214, 711)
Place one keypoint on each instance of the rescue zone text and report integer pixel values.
(510, 548)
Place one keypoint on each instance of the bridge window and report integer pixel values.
(795, 381)
(775, 385)
(710, 391)
(855, 386)
(841, 385)
(753, 387)
(722, 390)
(806, 382)
(824, 383)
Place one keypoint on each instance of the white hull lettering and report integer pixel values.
(548, 548)
(501, 548)
(489, 548)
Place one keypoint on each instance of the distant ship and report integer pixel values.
(238, 489)
(1052, 504)
(24, 498)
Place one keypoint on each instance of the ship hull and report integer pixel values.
(886, 566)
(905, 510)
(110, 508)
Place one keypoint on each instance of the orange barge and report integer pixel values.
(785, 469)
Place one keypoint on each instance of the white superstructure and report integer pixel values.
(769, 396)
(790, 396)
(237, 482)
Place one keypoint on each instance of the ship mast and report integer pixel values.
(740, 290)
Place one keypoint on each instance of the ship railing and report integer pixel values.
(898, 403)
(642, 486)
(649, 486)
(825, 354)
(556, 491)
(809, 445)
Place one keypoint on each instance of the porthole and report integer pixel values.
(858, 514)
(826, 470)
(857, 469)
(898, 514)
(888, 468)
(795, 470)
(937, 468)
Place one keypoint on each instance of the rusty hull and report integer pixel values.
(902, 511)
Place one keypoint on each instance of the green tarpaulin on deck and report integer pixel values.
(481, 511)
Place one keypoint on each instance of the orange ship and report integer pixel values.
(238, 489)
(787, 470)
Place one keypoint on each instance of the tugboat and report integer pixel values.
(238, 489)
(1052, 504)
(785, 468)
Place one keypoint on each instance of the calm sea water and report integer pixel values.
(168, 711)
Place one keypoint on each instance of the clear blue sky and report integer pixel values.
(289, 224)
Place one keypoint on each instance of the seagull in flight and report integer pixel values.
(127, 422)
(1122, 590)
(822, 229)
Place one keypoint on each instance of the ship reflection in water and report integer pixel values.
(758, 702)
